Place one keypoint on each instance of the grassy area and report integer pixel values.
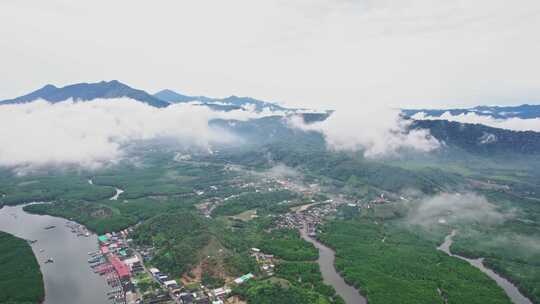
(245, 216)
(21, 281)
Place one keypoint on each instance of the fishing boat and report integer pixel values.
(94, 259)
(49, 227)
(49, 261)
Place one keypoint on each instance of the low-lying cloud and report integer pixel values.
(282, 171)
(513, 123)
(94, 132)
(376, 131)
(456, 208)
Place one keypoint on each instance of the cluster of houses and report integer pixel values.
(202, 295)
(265, 261)
(310, 217)
(117, 262)
(289, 184)
(120, 264)
(215, 296)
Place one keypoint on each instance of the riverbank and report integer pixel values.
(21, 280)
(330, 276)
(61, 255)
(509, 288)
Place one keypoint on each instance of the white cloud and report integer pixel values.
(452, 209)
(95, 132)
(514, 123)
(378, 132)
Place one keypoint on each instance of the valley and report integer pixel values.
(198, 221)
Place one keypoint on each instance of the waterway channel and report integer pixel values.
(117, 194)
(69, 279)
(330, 275)
(510, 289)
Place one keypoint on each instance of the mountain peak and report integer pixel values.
(88, 91)
(49, 87)
(167, 91)
(171, 96)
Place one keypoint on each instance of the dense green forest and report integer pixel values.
(511, 248)
(268, 292)
(392, 265)
(165, 188)
(42, 187)
(108, 216)
(21, 281)
(308, 276)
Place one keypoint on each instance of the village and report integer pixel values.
(122, 263)
(131, 282)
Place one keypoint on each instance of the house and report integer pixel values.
(121, 269)
(220, 292)
(171, 284)
(186, 298)
(244, 278)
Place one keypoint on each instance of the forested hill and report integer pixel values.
(472, 138)
(477, 138)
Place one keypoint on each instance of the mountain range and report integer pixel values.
(525, 111)
(231, 102)
(116, 89)
(88, 91)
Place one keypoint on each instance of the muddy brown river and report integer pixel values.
(330, 275)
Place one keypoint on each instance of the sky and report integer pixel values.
(313, 53)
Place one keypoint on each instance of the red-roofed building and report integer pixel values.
(121, 269)
(104, 249)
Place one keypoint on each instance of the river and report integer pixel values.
(511, 290)
(330, 275)
(117, 194)
(69, 279)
